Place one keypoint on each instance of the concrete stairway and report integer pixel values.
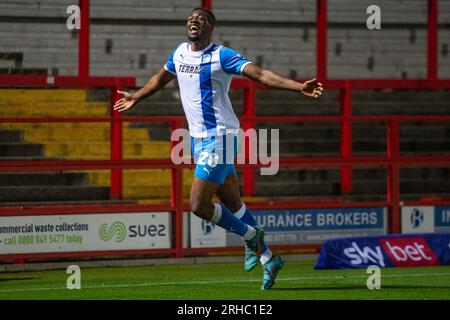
(319, 139)
(135, 38)
(89, 141)
(81, 141)
(21, 187)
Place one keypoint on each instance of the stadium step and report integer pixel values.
(137, 192)
(424, 187)
(47, 193)
(9, 136)
(74, 141)
(21, 150)
(145, 183)
(42, 179)
(402, 96)
(144, 177)
(330, 147)
(54, 109)
(326, 189)
(101, 150)
(300, 175)
(264, 189)
(57, 126)
(67, 133)
(19, 96)
(91, 141)
(375, 174)
(75, 131)
(290, 131)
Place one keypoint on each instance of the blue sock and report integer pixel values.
(225, 219)
(249, 219)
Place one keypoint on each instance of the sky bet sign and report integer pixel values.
(385, 251)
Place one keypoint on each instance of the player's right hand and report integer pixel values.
(125, 103)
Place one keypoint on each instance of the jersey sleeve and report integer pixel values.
(170, 65)
(231, 61)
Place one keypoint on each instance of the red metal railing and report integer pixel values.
(345, 161)
(392, 160)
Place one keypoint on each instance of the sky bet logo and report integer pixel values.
(118, 231)
(408, 252)
(365, 255)
(403, 252)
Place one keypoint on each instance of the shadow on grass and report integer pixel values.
(16, 279)
(359, 287)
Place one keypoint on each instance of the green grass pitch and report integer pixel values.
(297, 280)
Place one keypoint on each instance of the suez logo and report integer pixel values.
(403, 252)
(118, 231)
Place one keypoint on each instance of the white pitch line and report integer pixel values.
(222, 281)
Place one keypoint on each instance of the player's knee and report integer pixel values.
(230, 200)
(195, 207)
(199, 208)
(233, 206)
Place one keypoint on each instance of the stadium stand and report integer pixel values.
(128, 38)
(81, 141)
(144, 140)
(368, 139)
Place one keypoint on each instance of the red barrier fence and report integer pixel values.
(393, 160)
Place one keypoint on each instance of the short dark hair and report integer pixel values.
(209, 15)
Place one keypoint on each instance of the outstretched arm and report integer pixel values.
(156, 83)
(311, 88)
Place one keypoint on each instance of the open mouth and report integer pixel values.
(194, 29)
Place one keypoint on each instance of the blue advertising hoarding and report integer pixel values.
(385, 251)
(313, 226)
(442, 218)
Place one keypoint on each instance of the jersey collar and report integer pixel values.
(199, 53)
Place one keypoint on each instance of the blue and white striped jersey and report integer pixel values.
(204, 78)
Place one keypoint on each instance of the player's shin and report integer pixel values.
(246, 216)
(225, 219)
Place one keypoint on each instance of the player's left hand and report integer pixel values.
(312, 88)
